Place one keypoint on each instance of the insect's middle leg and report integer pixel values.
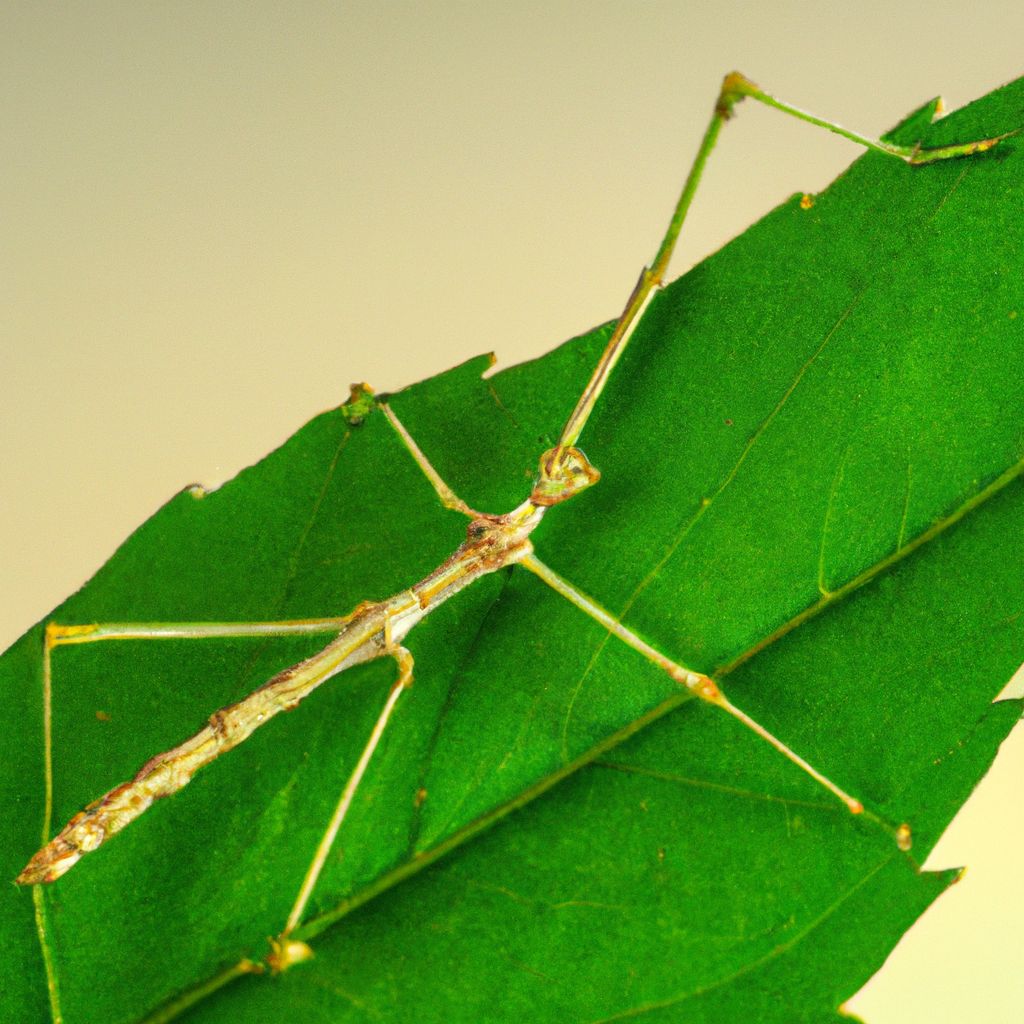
(706, 689)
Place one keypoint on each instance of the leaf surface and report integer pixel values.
(811, 456)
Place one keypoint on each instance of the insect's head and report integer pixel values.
(564, 472)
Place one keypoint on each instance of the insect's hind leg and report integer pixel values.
(285, 950)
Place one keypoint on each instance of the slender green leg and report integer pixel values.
(735, 88)
(285, 950)
(58, 635)
(701, 686)
(448, 497)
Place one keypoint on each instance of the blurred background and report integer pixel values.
(217, 216)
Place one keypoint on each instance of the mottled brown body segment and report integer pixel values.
(170, 771)
(373, 629)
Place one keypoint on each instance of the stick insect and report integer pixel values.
(377, 628)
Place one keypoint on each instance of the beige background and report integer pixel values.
(218, 215)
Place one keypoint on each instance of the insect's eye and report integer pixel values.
(563, 473)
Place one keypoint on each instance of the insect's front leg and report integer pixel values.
(735, 87)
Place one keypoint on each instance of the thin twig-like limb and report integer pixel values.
(706, 689)
(58, 635)
(448, 497)
(735, 87)
(697, 683)
(287, 951)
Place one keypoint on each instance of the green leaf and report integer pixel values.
(811, 459)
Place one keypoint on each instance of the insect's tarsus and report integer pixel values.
(376, 629)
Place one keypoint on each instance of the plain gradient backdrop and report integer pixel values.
(218, 215)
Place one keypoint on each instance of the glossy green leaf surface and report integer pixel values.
(810, 462)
